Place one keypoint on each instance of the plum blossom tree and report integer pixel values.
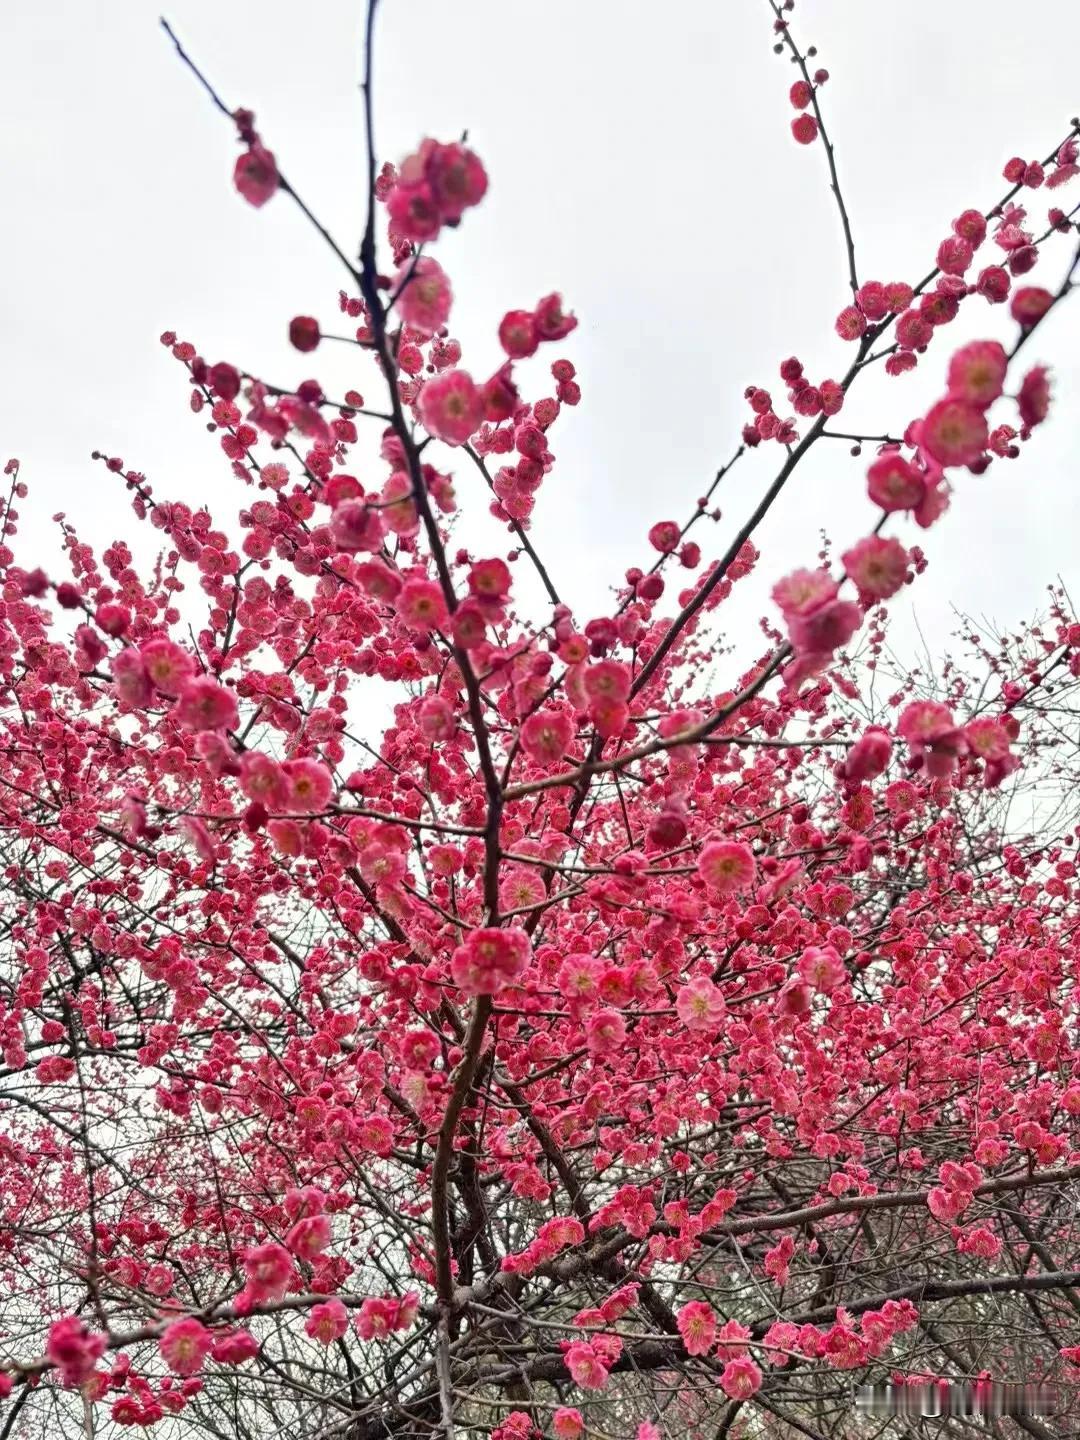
(589, 1049)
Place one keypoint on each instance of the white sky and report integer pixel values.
(640, 162)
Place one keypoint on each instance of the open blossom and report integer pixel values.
(423, 295)
(263, 780)
(131, 681)
(821, 967)
(451, 407)
(826, 629)
(977, 373)
(184, 1345)
(546, 735)
(356, 525)
(893, 482)
(954, 432)
(205, 704)
(1033, 399)
(310, 786)
(74, 1350)
(491, 959)
(700, 1005)
(740, 1378)
(567, 1423)
(587, 1369)
(697, 1326)
(435, 187)
(726, 866)
(326, 1322)
(422, 605)
(869, 756)
(269, 1270)
(234, 1347)
(804, 591)
(932, 735)
(605, 1032)
(309, 1237)
(552, 321)
(169, 666)
(878, 565)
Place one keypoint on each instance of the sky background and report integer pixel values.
(640, 162)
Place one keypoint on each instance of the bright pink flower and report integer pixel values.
(159, 1279)
(954, 432)
(979, 1241)
(970, 226)
(546, 735)
(184, 1345)
(310, 786)
(269, 1271)
(607, 680)
(74, 1350)
(700, 1005)
(133, 686)
(805, 129)
(697, 1326)
(605, 1032)
(491, 959)
(993, 284)
(878, 566)
(987, 738)
(457, 178)
(234, 1347)
(932, 506)
(579, 976)
(489, 581)
(872, 301)
(954, 255)
(204, 704)
(568, 1423)
(255, 175)
(309, 1237)
(451, 407)
(421, 604)
(328, 1321)
(434, 188)
(1029, 304)
(423, 295)
(380, 582)
(169, 666)
(517, 334)
(924, 722)
(552, 322)
(664, 536)
(1033, 400)
(726, 866)
(740, 1378)
(977, 373)
(869, 756)
(356, 525)
(913, 330)
(263, 779)
(826, 630)
(822, 967)
(587, 1370)
(804, 591)
(851, 322)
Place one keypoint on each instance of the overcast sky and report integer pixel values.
(640, 162)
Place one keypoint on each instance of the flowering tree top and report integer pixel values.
(590, 1048)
